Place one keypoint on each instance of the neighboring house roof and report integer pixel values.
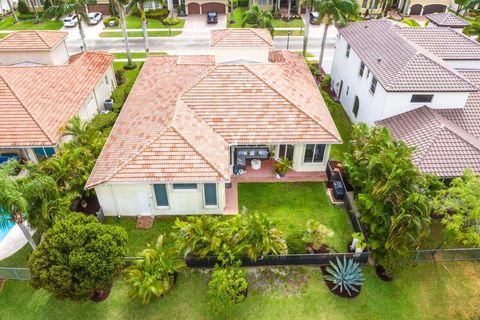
(240, 38)
(445, 43)
(32, 40)
(207, 107)
(442, 147)
(35, 102)
(397, 63)
(447, 20)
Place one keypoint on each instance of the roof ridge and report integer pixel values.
(227, 32)
(288, 100)
(254, 31)
(41, 38)
(26, 109)
(457, 130)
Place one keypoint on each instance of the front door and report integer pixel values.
(285, 151)
(144, 203)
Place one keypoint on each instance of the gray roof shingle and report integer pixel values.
(447, 20)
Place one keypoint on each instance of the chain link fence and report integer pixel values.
(15, 273)
(435, 255)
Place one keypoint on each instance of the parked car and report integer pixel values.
(314, 17)
(4, 157)
(212, 17)
(94, 17)
(70, 21)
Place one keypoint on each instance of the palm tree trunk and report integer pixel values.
(322, 49)
(307, 29)
(143, 19)
(170, 8)
(82, 32)
(121, 13)
(289, 8)
(35, 12)
(231, 10)
(27, 234)
(12, 9)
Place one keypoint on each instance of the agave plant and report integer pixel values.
(346, 276)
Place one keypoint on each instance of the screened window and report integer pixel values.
(348, 51)
(210, 194)
(184, 186)
(314, 153)
(356, 106)
(43, 153)
(373, 86)
(362, 69)
(364, 3)
(425, 98)
(161, 196)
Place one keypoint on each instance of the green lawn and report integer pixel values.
(20, 258)
(343, 124)
(135, 23)
(285, 33)
(429, 291)
(295, 23)
(411, 22)
(290, 205)
(3, 35)
(238, 17)
(277, 23)
(7, 24)
(137, 55)
(139, 34)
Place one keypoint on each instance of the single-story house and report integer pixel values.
(448, 20)
(36, 101)
(206, 121)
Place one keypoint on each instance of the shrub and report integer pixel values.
(47, 4)
(313, 69)
(116, 20)
(135, 11)
(102, 122)
(129, 66)
(77, 257)
(243, 3)
(22, 7)
(26, 16)
(171, 21)
(316, 234)
(326, 81)
(295, 243)
(119, 96)
(235, 4)
(346, 276)
(158, 14)
(120, 77)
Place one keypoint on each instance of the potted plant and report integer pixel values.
(282, 166)
(315, 235)
(358, 243)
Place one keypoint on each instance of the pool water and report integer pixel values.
(4, 231)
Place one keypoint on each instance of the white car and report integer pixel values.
(94, 17)
(70, 21)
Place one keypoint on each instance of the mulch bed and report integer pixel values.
(343, 293)
(382, 274)
(99, 296)
(92, 205)
(323, 249)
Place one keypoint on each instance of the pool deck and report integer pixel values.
(13, 241)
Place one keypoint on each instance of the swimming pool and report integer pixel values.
(4, 231)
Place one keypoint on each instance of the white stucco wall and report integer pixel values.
(139, 199)
(57, 56)
(223, 55)
(382, 104)
(464, 64)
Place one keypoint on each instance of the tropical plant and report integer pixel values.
(60, 8)
(258, 18)
(77, 257)
(460, 206)
(470, 4)
(35, 11)
(22, 7)
(228, 284)
(360, 244)
(140, 4)
(460, 5)
(309, 5)
(473, 29)
(152, 272)
(316, 233)
(120, 77)
(283, 165)
(337, 12)
(346, 276)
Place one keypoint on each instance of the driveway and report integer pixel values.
(91, 32)
(196, 25)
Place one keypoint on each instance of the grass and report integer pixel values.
(20, 258)
(7, 24)
(307, 55)
(285, 33)
(295, 23)
(343, 124)
(137, 55)
(277, 23)
(135, 23)
(410, 22)
(290, 205)
(138, 34)
(429, 291)
(3, 35)
(238, 17)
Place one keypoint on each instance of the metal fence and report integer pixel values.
(435, 255)
(280, 260)
(15, 273)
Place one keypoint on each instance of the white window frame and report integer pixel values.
(375, 87)
(324, 153)
(184, 190)
(152, 190)
(203, 196)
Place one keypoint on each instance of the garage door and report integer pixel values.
(193, 8)
(416, 10)
(434, 8)
(213, 6)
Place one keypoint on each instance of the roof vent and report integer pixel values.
(379, 60)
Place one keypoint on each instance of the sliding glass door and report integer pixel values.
(285, 151)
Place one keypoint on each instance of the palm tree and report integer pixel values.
(334, 12)
(474, 28)
(120, 4)
(258, 18)
(35, 12)
(63, 8)
(141, 6)
(309, 5)
(12, 10)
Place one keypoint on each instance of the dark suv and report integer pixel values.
(212, 17)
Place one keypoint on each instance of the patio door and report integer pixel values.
(285, 151)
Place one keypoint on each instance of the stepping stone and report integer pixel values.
(145, 222)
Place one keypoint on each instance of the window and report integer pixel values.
(184, 186)
(374, 4)
(356, 106)
(364, 3)
(348, 51)
(314, 153)
(373, 86)
(346, 92)
(43, 153)
(419, 98)
(286, 151)
(210, 194)
(362, 69)
(161, 196)
(106, 79)
(264, 2)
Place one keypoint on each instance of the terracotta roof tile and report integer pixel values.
(447, 20)
(35, 102)
(240, 38)
(32, 40)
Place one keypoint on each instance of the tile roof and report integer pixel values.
(447, 20)
(32, 40)
(35, 102)
(206, 108)
(397, 63)
(445, 43)
(442, 147)
(240, 38)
